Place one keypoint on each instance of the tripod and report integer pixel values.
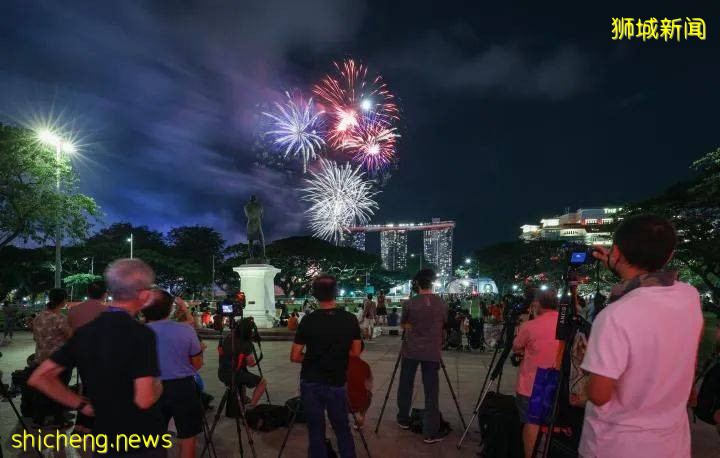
(567, 327)
(392, 379)
(257, 361)
(292, 424)
(6, 395)
(231, 395)
(494, 372)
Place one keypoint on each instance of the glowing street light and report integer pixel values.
(468, 260)
(514, 287)
(61, 146)
(543, 287)
(131, 240)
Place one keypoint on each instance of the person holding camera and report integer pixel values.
(642, 350)
(244, 357)
(536, 342)
(329, 336)
(180, 356)
(423, 318)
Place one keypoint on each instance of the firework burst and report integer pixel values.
(295, 127)
(372, 145)
(339, 198)
(348, 96)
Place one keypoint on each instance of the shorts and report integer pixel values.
(180, 400)
(247, 378)
(522, 402)
(368, 323)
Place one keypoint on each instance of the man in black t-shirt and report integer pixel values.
(329, 336)
(117, 360)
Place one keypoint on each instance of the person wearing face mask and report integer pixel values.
(642, 349)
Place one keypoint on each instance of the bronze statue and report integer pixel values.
(254, 214)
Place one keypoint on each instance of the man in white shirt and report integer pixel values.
(642, 350)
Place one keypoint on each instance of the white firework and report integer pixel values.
(295, 128)
(339, 198)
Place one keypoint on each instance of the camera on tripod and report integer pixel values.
(578, 254)
(232, 306)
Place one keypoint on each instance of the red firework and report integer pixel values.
(372, 144)
(348, 98)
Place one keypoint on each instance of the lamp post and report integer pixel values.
(131, 239)
(61, 146)
(412, 255)
(92, 264)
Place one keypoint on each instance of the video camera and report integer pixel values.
(578, 254)
(232, 306)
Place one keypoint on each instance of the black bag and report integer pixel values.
(416, 421)
(295, 405)
(500, 427)
(708, 399)
(266, 417)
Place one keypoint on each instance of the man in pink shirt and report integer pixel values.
(642, 350)
(536, 341)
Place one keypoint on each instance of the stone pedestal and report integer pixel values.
(256, 281)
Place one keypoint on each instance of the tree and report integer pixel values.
(694, 208)
(302, 258)
(78, 283)
(197, 245)
(25, 271)
(30, 205)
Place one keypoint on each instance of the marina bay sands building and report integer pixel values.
(437, 243)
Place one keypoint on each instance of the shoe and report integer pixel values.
(403, 425)
(438, 437)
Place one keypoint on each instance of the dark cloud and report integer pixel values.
(169, 92)
(500, 70)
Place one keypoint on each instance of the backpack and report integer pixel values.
(500, 427)
(266, 417)
(708, 399)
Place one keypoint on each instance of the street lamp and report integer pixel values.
(131, 239)
(61, 146)
(412, 255)
(468, 260)
(92, 264)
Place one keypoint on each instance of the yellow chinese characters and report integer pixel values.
(652, 29)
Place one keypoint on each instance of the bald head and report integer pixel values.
(127, 278)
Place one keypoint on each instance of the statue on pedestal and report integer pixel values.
(254, 214)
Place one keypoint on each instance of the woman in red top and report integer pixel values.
(359, 387)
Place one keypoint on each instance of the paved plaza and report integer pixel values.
(466, 371)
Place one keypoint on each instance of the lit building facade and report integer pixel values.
(586, 225)
(438, 250)
(353, 240)
(437, 243)
(393, 249)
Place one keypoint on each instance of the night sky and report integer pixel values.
(508, 114)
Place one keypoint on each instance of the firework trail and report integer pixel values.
(339, 198)
(295, 127)
(349, 96)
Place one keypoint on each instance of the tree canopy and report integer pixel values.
(31, 206)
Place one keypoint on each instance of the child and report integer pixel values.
(359, 387)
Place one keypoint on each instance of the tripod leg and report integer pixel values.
(287, 435)
(387, 395)
(215, 421)
(452, 392)
(475, 413)
(243, 418)
(359, 430)
(205, 428)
